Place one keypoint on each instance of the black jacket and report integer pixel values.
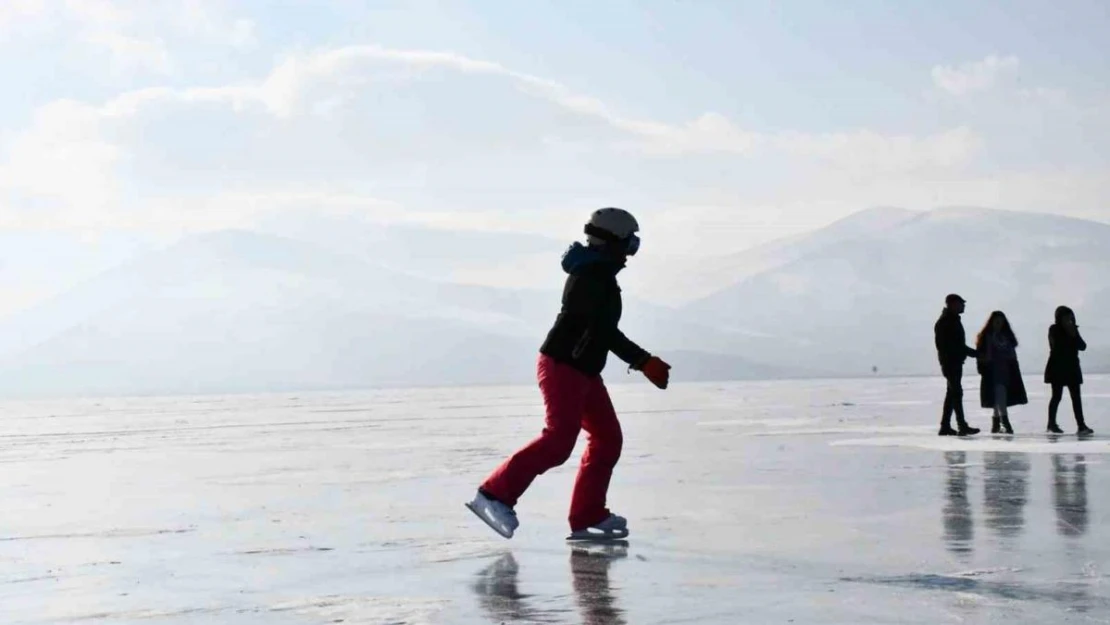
(951, 342)
(1063, 357)
(585, 330)
(1008, 374)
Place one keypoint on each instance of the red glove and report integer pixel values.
(657, 371)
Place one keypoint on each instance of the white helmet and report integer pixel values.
(613, 225)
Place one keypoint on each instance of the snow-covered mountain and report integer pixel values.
(855, 298)
(243, 311)
(698, 278)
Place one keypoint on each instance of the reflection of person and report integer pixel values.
(1001, 385)
(589, 570)
(1005, 491)
(497, 592)
(952, 351)
(1069, 490)
(1063, 370)
(569, 372)
(959, 526)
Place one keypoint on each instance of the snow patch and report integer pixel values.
(1014, 444)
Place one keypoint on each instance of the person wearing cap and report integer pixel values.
(952, 352)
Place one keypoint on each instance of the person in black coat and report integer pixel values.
(569, 367)
(1063, 370)
(952, 352)
(1000, 383)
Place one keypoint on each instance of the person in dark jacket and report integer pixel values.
(952, 352)
(569, 372)
(1000, 384)
(1063, 370)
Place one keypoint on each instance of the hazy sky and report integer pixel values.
(750, 119)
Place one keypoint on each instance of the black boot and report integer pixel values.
(967, 430)
(1006, 424)
(1053, 428)
(995, 427)
(1083, 429)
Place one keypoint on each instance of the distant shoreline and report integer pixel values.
(1033, 380)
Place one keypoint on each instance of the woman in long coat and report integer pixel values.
(1063, 370)
(1001, 385)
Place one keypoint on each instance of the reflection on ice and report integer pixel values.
(497, 588)
(589, 569)
(1069, 489)
(1005, 491)
(959, 526)
(498, 595)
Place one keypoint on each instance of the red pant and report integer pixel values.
(573, 402)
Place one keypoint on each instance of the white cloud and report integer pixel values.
(288, 91)
(1048, 96)
(99, 14)
(868, 151)
(62, 160)
(14, 11)
(137, 36)
(202, 19)
(974, 76)
(131, 53)
(836, 172)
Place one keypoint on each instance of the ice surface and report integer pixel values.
(771, 502)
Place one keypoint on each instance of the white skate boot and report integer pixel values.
(497, 515)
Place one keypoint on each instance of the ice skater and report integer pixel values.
(952, 352)
(1063, 370)
(1000, 384)
(575, 398)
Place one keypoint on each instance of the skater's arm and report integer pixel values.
(627, 350)
(589, 298)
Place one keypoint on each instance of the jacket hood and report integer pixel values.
(578, 257)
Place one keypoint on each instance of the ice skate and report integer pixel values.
(613, 528)
(497, 515)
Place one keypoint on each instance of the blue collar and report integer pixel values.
(578, 257)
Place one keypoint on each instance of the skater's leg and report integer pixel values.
(564, 393)
(603, 450)
(1054, 406)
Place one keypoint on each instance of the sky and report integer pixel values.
(720, 124)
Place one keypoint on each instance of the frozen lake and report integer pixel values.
(781, 502)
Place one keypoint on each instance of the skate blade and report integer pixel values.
(497, 528)
(598, 537)
(616, 549)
